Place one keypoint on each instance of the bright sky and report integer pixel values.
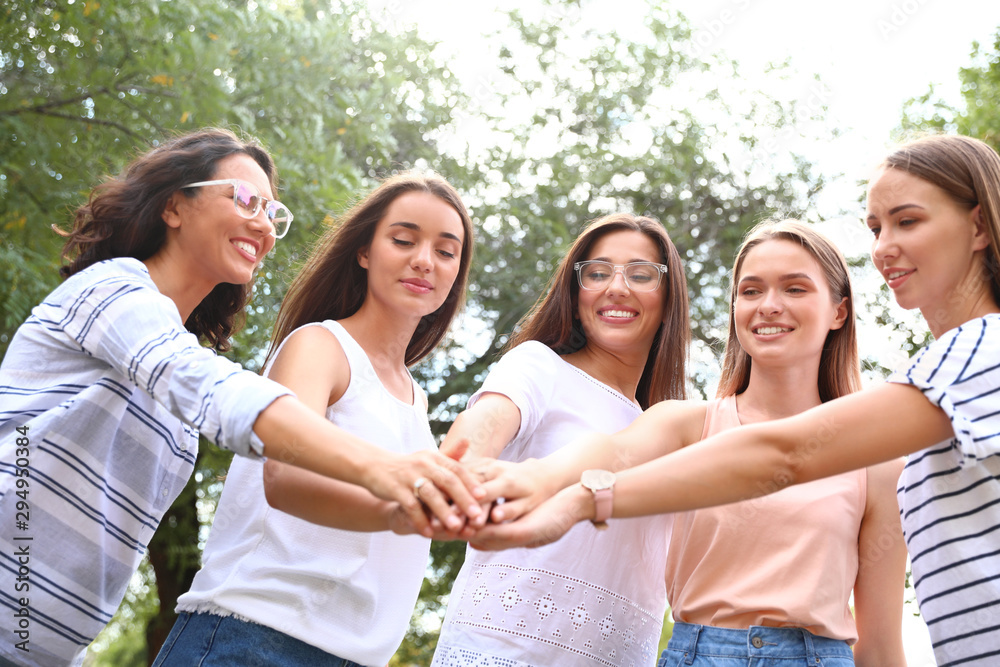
(871, 56)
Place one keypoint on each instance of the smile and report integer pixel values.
(896, 274)
(246, 247)
(618, 314)
(770, 331)
(418, 285)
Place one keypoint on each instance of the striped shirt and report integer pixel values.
(101, 392)
(949, 495)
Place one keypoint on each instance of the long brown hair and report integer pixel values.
(332, 284)
(550, 320)
(968, 170)
(839, 367)
(123, 217)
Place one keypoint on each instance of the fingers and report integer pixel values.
(458, 483)
(438, 504)
(455, 448)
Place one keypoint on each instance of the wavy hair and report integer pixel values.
(332, 284)
(123, 217)
(550, 320)
(839, 365)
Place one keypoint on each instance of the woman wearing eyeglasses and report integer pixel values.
(768, 581)
(608, 340)
(105, 384)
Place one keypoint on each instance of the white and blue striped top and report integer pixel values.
(101, 392)
(949, 495)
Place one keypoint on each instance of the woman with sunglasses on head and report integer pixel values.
(934, 212)
(376, 295)
(608, 340)
(105, 384)
(769, 579)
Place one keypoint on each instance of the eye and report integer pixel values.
(445, 253)
(401, 242)
(749, 291)
(904, 222)
(874, 230)
(796, 290)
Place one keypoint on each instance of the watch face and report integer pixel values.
(595, 480)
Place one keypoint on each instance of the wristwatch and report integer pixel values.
(602, 484)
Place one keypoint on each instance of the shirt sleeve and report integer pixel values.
(960, 373)
(124, 321)
(527, 376)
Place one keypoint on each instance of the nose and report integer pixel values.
(423, 257)
(618, 284)
(771, 303)
(261, 223)
(884, 245)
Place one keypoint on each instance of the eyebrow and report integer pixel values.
(605, 259)
(415, 227)
(897, 209)
(787, 276)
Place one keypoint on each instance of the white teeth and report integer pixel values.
(246, 247)
(770, 331)
(896, 274)
(617, 313)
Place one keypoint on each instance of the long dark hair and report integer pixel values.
(123, 217)
(332, 284)
(550, 320)
(839, 368)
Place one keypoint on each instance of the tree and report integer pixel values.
(85, 85)
(579, 121)
(585, 121)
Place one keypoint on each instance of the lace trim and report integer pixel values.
(559, 611)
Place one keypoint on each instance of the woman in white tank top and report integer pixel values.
(377, 295)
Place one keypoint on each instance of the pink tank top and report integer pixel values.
(789, 559)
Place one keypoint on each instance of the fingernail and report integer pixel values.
(454, 523)
(473, 511)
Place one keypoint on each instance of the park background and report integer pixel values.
(707, 115)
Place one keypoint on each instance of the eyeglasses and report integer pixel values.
(248, 203)
(639, 276)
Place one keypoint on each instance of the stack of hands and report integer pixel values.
(489, 503)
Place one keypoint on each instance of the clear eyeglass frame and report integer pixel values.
(639, 272)
(249, 202)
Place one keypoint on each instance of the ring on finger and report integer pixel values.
(417, 483)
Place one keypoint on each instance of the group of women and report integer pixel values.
(320, 539)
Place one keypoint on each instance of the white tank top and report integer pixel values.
(348, 593)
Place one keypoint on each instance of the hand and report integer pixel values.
(400, 523)
(543, 525)
(448, 490)
(521, 487)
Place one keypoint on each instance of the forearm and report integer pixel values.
(295, 435)
(324, 501)
(735, 465)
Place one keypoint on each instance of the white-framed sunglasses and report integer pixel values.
(249, 202)
(639, 276)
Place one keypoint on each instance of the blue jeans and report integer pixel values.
(207, 640)
(707, 646)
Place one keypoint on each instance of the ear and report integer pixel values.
(171, 212)
(981, 238)
(841, 315)
(363, 257)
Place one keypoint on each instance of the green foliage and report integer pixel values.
(578, 122)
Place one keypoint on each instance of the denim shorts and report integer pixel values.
(707, 646)
(208, 640)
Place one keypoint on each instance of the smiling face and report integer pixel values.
(927, 247)
(784, 309)
(215, 242)
(617, 318)
(414, 256)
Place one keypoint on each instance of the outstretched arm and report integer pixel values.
(663, 428)
(855, 431)
(297, 441)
